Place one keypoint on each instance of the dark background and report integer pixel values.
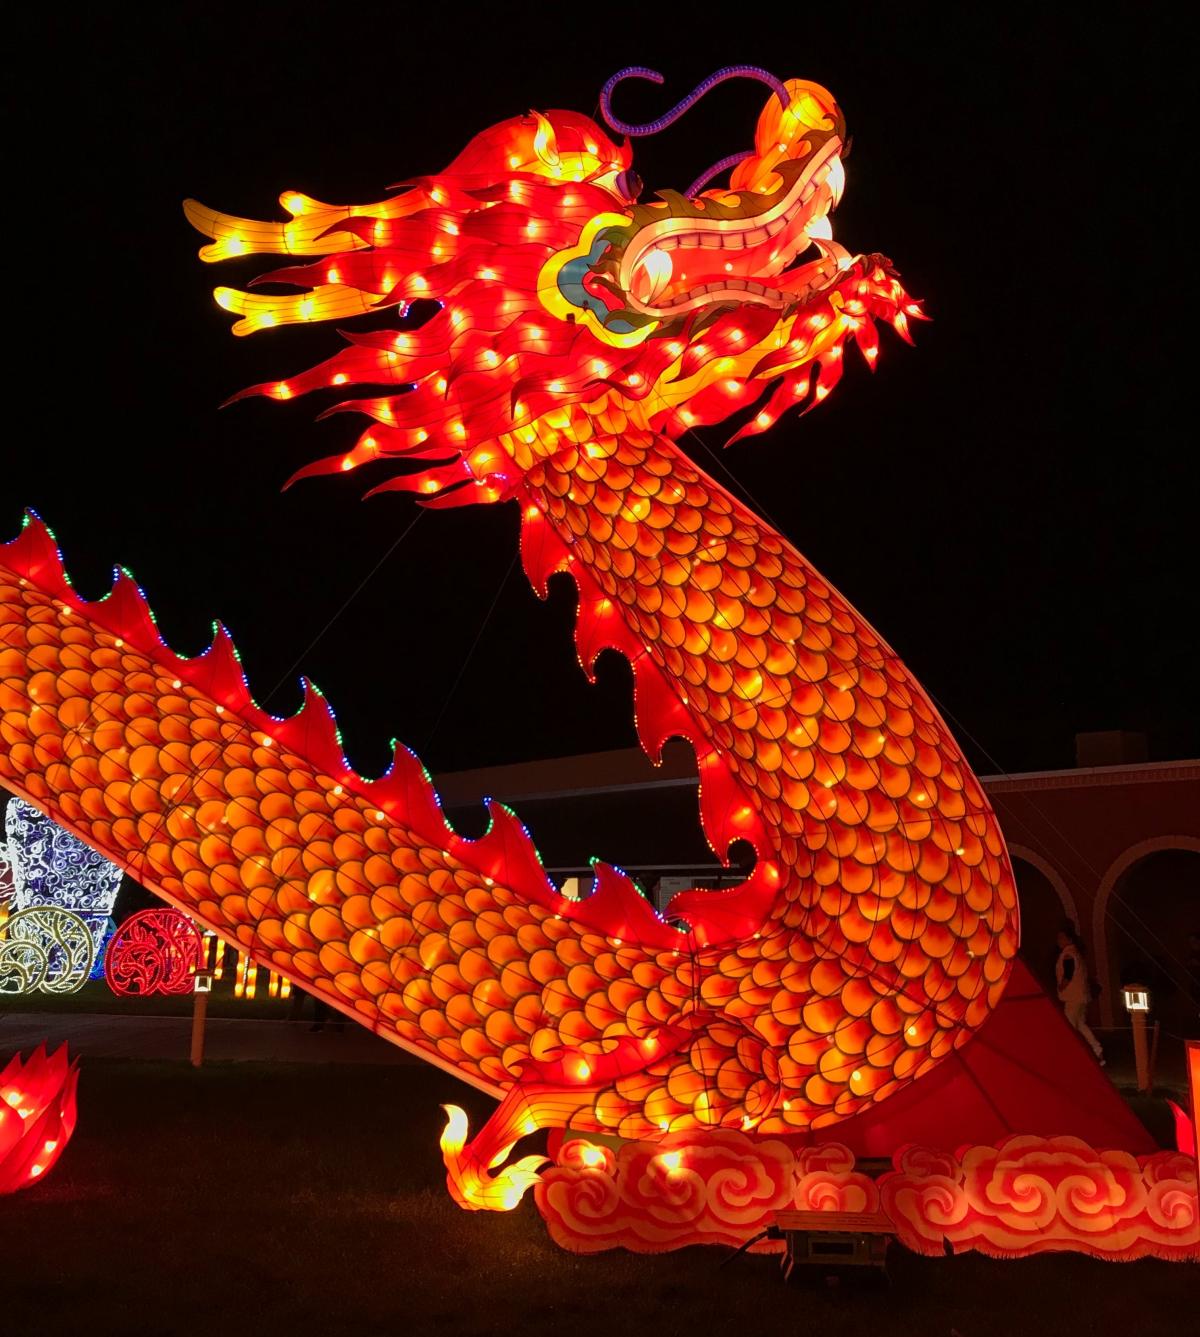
(1009, 503)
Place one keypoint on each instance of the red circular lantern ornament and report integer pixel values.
(154, 951)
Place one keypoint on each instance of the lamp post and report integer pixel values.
(201, 990)
(1137, 1004)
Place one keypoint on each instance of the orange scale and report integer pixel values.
(226, 882)
(750, 656)
(281, 834)
(733, 1081)
(475, 967)
(239, 783)
(271, 935)
(934, 864)
(684, 1086)
(318, 854)
(347, 817)
(869, 849)
(821, 1093)
(326, 925)
(939, 987)
(502, 948)
(317, 826)
(894, 780)
(822, 1015)
(391, 1005)
(599, 1013)
(851, 807)
(940, 1045)
(349, 879)
(247, 843)
(529, 1014)
(928, 760)
(463, 1018)
(901, 854)
(286, 863)
(858, 998)
(289, 898)
(978, 1010)
(826, 977)
(434, 950)
(515, 981)
(855, 926)
(936, 941)
(195, 877)
(418, 995)
(906, 922)
(836, 1064)
(887, 1020)
(826, 870)
(434, 1024)
(957, 962)
(623, 994)
(943, 905)
(356, 912)
(441, 883)
(882, 814)
(216, 849)
(123, 834)
(971, 983)
(379, 840)
(113, 766)
(404, 968)
(446, 983)
(453, 910)
(574, 1028)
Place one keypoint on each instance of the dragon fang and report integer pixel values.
(580, 333)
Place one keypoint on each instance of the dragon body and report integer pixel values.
(580, 334)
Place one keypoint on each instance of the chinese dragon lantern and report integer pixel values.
(580, 331)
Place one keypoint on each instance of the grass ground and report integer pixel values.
(268, 1198)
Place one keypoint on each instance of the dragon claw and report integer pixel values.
(468, 1168)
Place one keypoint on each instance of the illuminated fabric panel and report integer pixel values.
(53, 867)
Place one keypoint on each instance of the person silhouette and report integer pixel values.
(1074, 991)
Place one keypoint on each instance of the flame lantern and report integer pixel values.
(154, 951)
(37, 1115)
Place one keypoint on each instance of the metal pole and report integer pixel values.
(199, 1013)
(1141, 1052)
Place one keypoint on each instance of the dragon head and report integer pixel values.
(562, 297)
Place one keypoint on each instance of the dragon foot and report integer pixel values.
(470, 1165)
(469, 1175)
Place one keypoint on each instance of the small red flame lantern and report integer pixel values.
(37, 1115)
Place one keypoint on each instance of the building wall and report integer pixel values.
(1079, 836)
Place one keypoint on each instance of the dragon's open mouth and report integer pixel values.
(680, 263)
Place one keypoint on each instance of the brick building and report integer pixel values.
(1113, 847)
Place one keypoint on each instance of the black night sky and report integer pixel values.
(1008, 502)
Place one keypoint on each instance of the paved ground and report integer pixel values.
(99, 1035)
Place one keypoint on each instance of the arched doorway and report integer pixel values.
(1147, 930)
(1045, 901)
